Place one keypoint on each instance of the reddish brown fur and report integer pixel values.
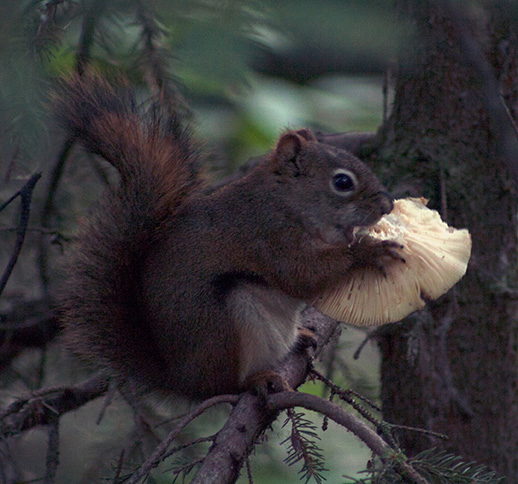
(100, 301)
(193, 293)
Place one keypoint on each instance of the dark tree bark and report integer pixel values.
(453, 369)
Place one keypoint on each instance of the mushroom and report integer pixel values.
(436, 258)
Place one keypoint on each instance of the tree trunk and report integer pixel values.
(453, 368)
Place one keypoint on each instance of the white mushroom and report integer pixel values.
(436, 258)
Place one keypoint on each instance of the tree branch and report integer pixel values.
(285, 400)
(154, 58)
(52, 451)
(26, 324)
(161, 450)
(356, 143)
(251, 416)
(26, 195)
(44, 406)
(86, 40)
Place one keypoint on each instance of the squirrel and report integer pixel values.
(194, 292)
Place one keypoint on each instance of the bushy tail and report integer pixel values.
(101, 305)
(148, 145)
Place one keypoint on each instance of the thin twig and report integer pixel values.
(130, 395)
(368, 337)
(249, 471)
(86, 40)
(44, 406)
(418, 430)
(153, 57)
(186, 469)
(509, 115)
(385, 91)
(41, 368)
(52, 461)
(285, 400)
(42, 230)
(330, 356)
(48, 208)
(201, 440)
(107, 401)
(158, 455)
(345, 394)
(26, 195)
(119, 468)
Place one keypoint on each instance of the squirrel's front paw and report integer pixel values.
(373, 253)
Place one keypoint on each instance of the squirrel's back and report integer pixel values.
(158, 166)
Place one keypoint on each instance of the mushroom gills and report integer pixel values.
(436, 258)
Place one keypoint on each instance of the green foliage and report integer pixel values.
(443, 468)
(23, 127)
(302, 446)
(208, 49)
(436, 466)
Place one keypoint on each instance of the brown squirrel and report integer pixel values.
(193, 292)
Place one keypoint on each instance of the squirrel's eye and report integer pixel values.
(343, 182)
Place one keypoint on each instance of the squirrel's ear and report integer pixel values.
(307, 134)
(286, 154)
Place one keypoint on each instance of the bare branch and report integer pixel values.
(285, 400)
(90, 17)
(356, 143)
(155, 59)
(52, 451)
(86, 39)
(201, 440)
(349, 396)
(234, 442)
(119, 467)
(251, 417)
(48, 208)
(43, 407)
(161, 450)
(248, 419)
(26, 195)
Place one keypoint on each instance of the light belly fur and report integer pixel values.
(268, 321)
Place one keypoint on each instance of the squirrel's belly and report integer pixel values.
(267, 322)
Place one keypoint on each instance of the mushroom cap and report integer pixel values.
(436, 259)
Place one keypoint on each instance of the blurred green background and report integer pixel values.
(247, 70)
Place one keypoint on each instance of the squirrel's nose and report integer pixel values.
(387, 204)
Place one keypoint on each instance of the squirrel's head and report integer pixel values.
(328, 189)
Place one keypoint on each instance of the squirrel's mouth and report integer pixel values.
(357, 233)
(350, 234)
(339, 235)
